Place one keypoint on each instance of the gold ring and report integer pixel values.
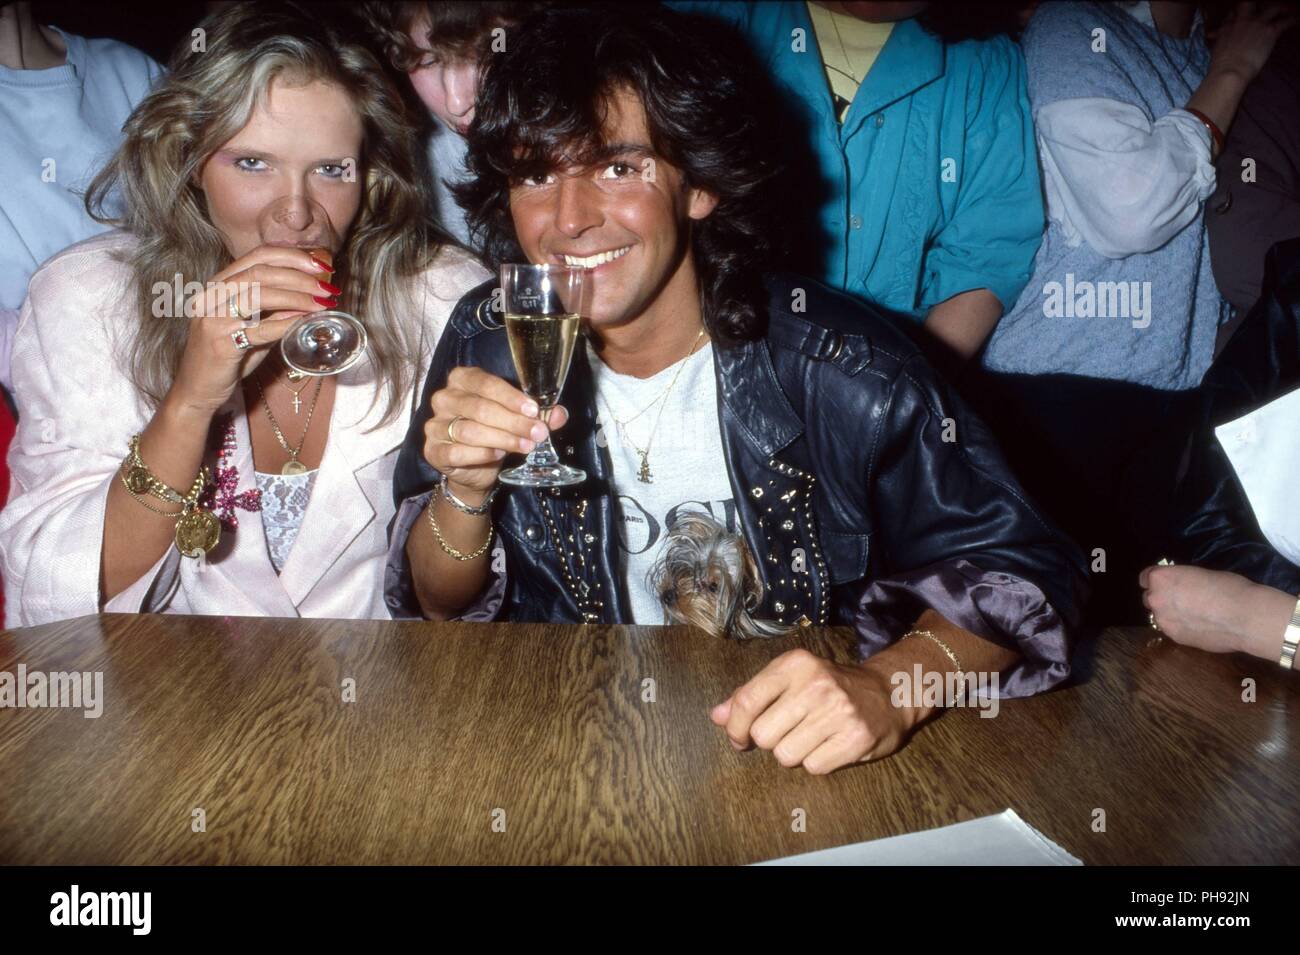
(451, 434)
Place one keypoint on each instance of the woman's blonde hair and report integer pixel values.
(206, 99)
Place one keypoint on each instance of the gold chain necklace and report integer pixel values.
(293, 465)
(643, 473)
(844, 53)
(624, 422)
(297, 401)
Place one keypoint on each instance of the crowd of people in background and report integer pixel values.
(1085, 216)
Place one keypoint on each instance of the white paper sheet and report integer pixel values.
(1264, 448)
(1004, 839)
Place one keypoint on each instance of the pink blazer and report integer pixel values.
(77, 412)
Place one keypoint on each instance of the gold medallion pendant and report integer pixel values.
(293, 466)
(197, 532)
(137, 479)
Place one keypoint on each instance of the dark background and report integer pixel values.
(148, 25)
(155, 26)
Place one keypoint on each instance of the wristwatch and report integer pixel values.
(1291, 639)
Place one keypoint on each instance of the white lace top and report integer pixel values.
(284, 501)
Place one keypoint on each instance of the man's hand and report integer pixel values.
(492, 417)
(812, 712)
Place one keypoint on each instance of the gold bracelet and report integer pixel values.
(197, 529)
(442, 541)
(140, 480)
(948, 651)
(143, 503)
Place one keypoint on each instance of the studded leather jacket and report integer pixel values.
(864, 487)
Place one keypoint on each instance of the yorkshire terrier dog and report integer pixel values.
(707, 578)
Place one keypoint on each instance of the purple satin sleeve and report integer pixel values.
(1001, 608)
(399, 591)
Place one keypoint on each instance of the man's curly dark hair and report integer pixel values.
(541, 107)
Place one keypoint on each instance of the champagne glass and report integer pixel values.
(543, 305)
(323, 343)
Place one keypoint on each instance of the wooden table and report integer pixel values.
(546, 729)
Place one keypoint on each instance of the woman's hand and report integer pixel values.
(1247, 37)
(270, 286)
(496, 419)
(1216, 611)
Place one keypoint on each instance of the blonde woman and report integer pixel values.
(271, 175)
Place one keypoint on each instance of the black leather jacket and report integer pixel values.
(1214, 524)
(849, 459)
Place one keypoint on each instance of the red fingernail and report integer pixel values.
(333, 290)
(324, 267)
(324, 302)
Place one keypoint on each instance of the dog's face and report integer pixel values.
(705, 577)
(703, 581)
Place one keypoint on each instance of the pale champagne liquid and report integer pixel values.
(542, 347)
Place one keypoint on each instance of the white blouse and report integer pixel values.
(1264, 448)
(1114, 179)
(78, 410)
(284, 502)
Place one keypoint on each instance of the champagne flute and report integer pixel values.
(319, 343)
(323, 343)
(543, 305)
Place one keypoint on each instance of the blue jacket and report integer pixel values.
(930, 188)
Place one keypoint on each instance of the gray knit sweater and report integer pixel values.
(1066, 320)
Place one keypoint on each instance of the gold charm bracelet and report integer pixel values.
(442, 541)
(197, 529)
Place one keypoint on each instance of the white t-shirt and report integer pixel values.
(687, 467)
(57, 129)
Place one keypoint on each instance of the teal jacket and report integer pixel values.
(931, 187)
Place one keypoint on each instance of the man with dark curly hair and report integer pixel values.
(439, 45)
(844, 481)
